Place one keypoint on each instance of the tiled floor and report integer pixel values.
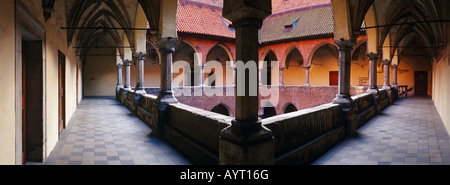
(409, 132)
(102, 132)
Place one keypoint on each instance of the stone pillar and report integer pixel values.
(202, 75)
(127, 64)
(386, 64)
(260, 71)
(281, 76)
(234, 75)
(166, 48)
(343, 97)
(246, 141)
(166, 94)
(307, 76)
(119, 78)
(140, 89)
(394, 76)
(373, 84)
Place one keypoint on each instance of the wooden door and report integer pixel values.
(334, 78)
(421, 83)
(61, 93)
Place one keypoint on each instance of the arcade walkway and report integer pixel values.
(102, 132)
(409, 132)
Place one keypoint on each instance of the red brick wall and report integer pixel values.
(301, 97)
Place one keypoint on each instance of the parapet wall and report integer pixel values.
(300, 137)
(301, 97)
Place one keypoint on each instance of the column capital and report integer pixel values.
(167, 44)
(140, 55)
(394, 65)
(282, 68)
(373, 56)
(119, 64)
(386, 62)
(127, 62)
(344, 45)
(307, 67)
(247, 12)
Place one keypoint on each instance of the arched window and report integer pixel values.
(221, 109)
(266, 73)
(289, 108)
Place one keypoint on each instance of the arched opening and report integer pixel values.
(269, 112)
(152, 67)
(289, 108)
(222, 109)
(185, 52)
(324, 65)
(221, 54)
(360, 66)
(294, 70)
(267, 69)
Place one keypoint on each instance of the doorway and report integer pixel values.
(421, 83)
(334, 78)
(32, 102)
(61, 93)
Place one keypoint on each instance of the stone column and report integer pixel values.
(394, 76)
(202, 76)
(127, 64)
(246, 141)
(307, 76)
(140, 89)
(386, 64)
(343, 97)
(119, 81)
(260, 71)
(234, 75)
(119, 77)
(373, 84)
(281, 76)
(166, 48)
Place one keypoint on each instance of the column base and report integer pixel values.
(167, 97)
(386, 87)
(373, 91)
(342, 99)
(140, 91)
(246, 143)
(307, 85)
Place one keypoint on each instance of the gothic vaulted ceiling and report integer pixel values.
(92, 23)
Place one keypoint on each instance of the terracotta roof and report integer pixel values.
(298, 23)
(206, 19)
(200, 18)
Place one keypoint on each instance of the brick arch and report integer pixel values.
(289, 107)
(225, 48)
(267, 110)
(192, 46)
(317, 47)
(222, 109)
(287, 52)
(266, 52)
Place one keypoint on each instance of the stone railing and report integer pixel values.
(306, 134)
(300, 137)
(301, 97)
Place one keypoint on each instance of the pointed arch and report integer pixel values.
(288, 108)
(288, 52)
(222, 109)
(140, 36)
